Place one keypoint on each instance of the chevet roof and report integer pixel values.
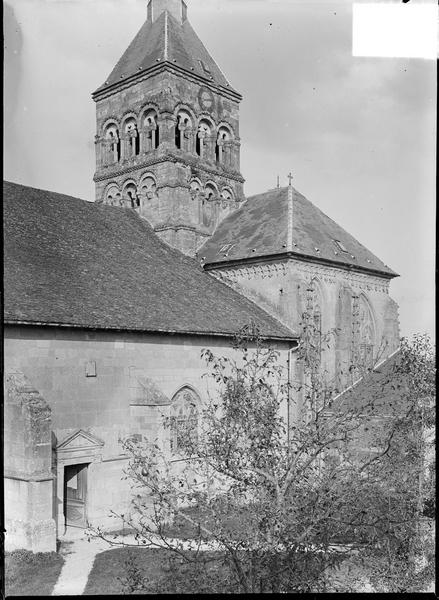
(76, 263)
(167, 41)
(259, 229)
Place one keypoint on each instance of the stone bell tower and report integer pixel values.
(167, 142)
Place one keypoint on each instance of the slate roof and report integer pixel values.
(259, 229)
(81, 264)
(166, 40)
(383, 391)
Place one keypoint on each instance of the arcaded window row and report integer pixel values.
(139, 135)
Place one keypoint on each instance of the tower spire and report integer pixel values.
(177, 8)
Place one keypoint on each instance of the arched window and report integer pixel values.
(112, 143)
(203, 133)
(195, 188)
(210, 191)
(363, 331)
(227, 194)
(132, 138)
(222, 149)
(183, 131)
(148, 187)
(112, 195)
(184, 421)
(151, 131)
(131, 196)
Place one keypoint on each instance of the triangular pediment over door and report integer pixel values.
(80, 445)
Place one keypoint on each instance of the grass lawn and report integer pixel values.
(154, 571)
(28, 574)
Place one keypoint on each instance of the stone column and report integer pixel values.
(123, 147)
(202, 135)
(210, 142)
(153, 136)
(189, 136)
(222, 153)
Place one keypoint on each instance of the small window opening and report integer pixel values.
(204, 66)
(177, 137)
(340, 246)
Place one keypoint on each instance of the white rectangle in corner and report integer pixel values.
(403, 30)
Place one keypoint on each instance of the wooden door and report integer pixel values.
(75, 495)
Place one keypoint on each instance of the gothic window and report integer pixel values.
(203, 135)
(112, 145)
(312, 323)
(148, 188)
(151, 133)
(222, 148)
(363, 333)
(183, 131)
(184, 420)
(132, 138)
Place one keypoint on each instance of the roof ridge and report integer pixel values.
(88, 266)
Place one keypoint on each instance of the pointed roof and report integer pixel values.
(166, 41)
(259, 229)
(80, 264)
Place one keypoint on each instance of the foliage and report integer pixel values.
(31, 574)
(284, 508)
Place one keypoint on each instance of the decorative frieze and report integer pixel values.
(328, 275)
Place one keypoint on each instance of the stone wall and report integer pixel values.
(280, 287)
(103, 387)
(174, 188)
(28, 466)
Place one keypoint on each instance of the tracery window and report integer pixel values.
(184, 420)
(363, 333)
(312, 323)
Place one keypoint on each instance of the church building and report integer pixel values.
(108, 304)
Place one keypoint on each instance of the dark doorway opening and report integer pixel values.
(75, 495)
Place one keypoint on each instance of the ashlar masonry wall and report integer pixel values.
(183, 195)
(280, 287)
(102, 387)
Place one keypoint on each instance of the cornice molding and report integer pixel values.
(186, 160)
(174, 69)
(226, 264)
(329, 275)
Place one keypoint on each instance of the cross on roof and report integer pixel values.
(290, 177)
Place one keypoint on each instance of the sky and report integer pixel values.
(358, 133)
